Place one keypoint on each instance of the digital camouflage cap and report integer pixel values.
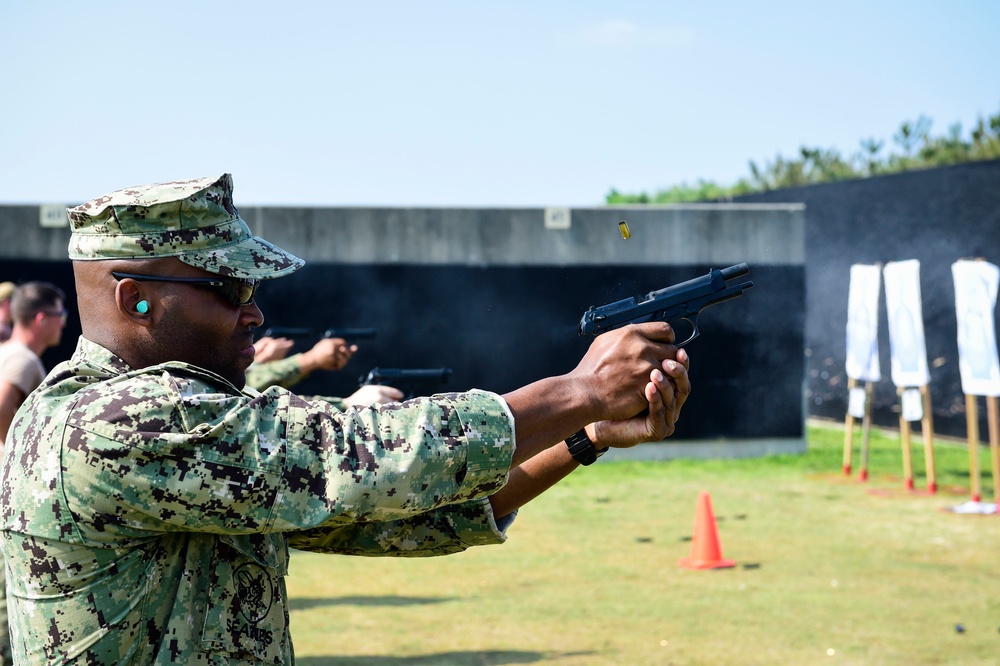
(193, 220)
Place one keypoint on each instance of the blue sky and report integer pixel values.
(467, 103)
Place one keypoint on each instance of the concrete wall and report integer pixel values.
(692, 234)
(497, 294)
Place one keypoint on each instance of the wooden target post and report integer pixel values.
(904, 435)
(927, 430)
(862, 361)
(972, 425)
(993, 418)
(849, 430)
(977, 283)
(972, 433)
(866, 426)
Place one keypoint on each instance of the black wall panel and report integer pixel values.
(501, 327)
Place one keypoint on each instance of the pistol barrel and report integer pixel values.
(734, 271)
(351, 333)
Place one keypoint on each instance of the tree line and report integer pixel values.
(916, 148)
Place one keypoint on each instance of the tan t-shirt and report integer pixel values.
(20, 366)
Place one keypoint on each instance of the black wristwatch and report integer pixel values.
(582, 449)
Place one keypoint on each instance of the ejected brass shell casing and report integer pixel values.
(623, 227)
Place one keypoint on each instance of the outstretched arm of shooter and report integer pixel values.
(665, 392)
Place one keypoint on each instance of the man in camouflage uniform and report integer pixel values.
(149, 500)
(287, 371)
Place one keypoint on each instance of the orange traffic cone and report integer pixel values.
(706, 553)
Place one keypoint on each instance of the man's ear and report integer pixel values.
(132, 303)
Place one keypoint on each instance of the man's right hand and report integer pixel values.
(327, 354)
(666, 393)
(617, 367)
(373, 394)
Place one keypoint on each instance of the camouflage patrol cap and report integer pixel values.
(193, 220)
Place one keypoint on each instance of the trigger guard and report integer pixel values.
(694, 330)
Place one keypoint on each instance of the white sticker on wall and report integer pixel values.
(52, 215)
(558, 218)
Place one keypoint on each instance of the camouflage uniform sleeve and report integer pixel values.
(337, 403)
(192, 459)
(285, 372)
(392, 462)
(450, 529)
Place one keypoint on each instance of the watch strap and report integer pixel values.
(582, 449)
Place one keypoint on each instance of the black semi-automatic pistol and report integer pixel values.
(680, 302)
(411, 382)
(348, 334)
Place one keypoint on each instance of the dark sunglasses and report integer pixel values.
(236, 291)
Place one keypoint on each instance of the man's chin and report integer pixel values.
(239, 377)
(235, 374)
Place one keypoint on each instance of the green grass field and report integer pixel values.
(828, 571)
